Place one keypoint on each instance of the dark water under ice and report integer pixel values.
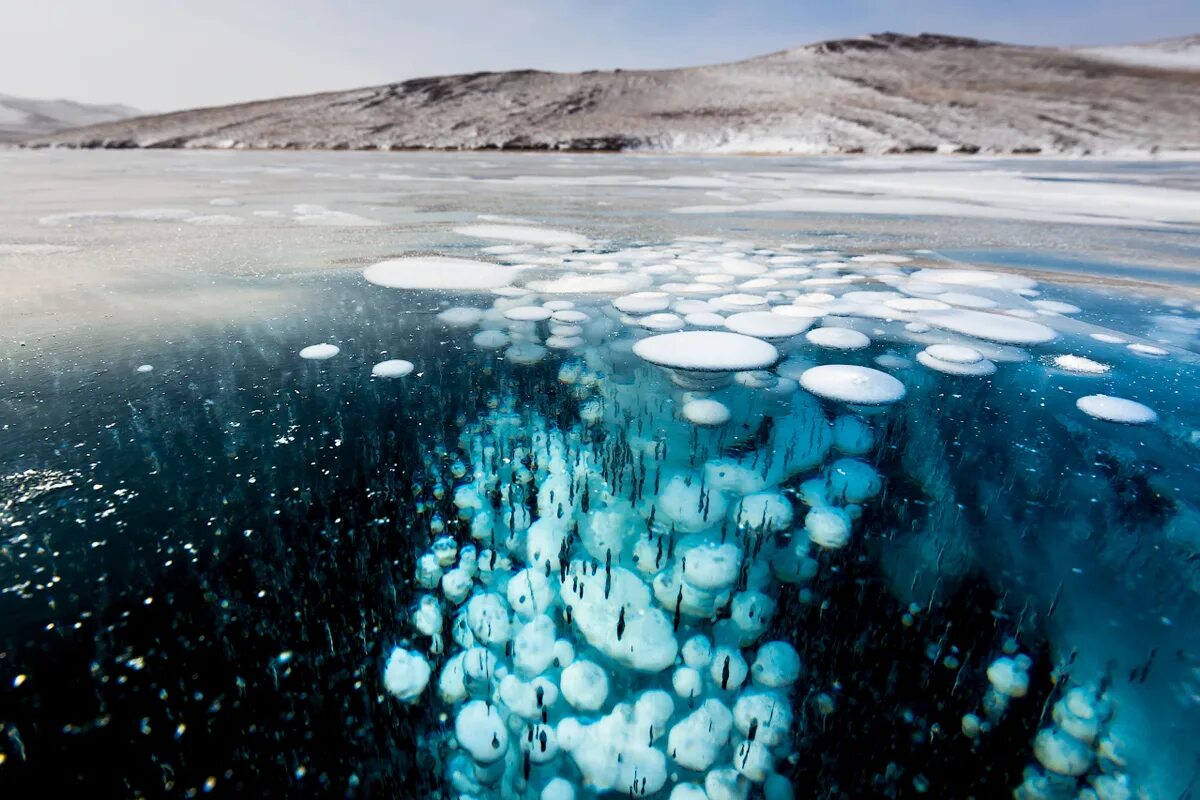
(204, 567)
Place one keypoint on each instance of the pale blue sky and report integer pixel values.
(167, 54)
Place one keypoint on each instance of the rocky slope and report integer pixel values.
(877, 94)
(21, 118)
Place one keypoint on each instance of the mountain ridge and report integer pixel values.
(881, 93)
(22, 117)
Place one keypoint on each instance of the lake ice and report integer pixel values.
(550, 476)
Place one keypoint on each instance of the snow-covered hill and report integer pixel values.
(1182, 53)
(876, 94)
(21, 118)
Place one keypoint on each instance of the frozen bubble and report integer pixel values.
(490, 339)
(769, 326)
(642, 302)
(437, 272)
(705, 319)
(392, 368)
(707, 351)
(661, 322)
(979, 367)
(406, 675)
(564, 342)
(1116, 409)
(965, 300)
(1062, 753)
(739, 302)
(691, 306)
(696, 741)
(992, 327)
(728, 669)
(955, 353)
(766, 709)
(558, 789)
(481, 732)
(460, 316)
(1056, 307)
(975, 277)
(144, 368)
(838, 338)
(753, 760)
(852, 481)
(828, 527)
(916, 304)
(1147, 349)
(706, 412)
(320, 352)
(487, 614)
(585, 685)
(568, 316)
(697, 652)
(528, 313)
(852, 435)
(1107, 338)
(687, 682)
(811, 313)
(852, 384)
(726, 784)
(525, 353)
(768, 511)
(777, 665)
(1080, 365)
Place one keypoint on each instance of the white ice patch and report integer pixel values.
(103, 217)
(524, 234)
(992, 327)
(1116, 409)
(8, 249)
(852, 384)
(319, 216)
(838, 338)
(214, 220)
(705, 412)
(437, 272)
(406, 675)
(769, 326)
(392, 368)
(1080, 365)
(320, 352)
(707, 351)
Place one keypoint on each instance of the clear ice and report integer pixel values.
(501, 509)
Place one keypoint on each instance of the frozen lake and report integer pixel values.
(552, 476)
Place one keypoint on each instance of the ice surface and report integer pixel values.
(552, 567)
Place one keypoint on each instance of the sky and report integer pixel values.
(162, 55)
